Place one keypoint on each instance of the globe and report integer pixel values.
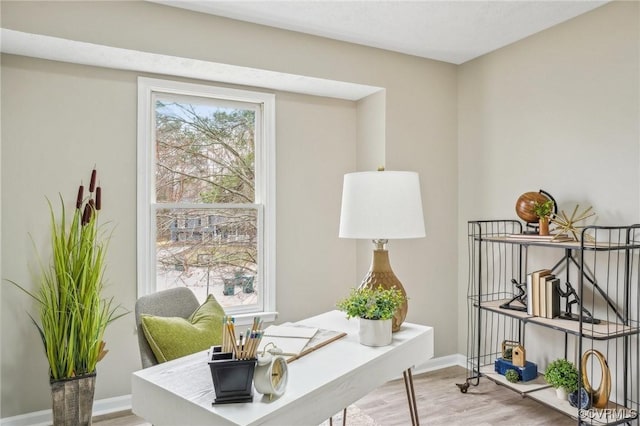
(525, 203)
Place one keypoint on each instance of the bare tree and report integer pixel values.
(204, 156)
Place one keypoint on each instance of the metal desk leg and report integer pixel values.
(411, 396)
(344, 418)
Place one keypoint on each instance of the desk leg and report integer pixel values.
(411, 396)
(344, 418)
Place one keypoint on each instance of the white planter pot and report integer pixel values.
(561, 393)
(375, 332)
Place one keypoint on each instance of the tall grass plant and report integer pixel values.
(73, 314)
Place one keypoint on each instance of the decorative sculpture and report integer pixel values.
(600, 396)
(525, 208)
(520, 297)
(507, 348)
(519, 358)
(567, 225)
(568, 314)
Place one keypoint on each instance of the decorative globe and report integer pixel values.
(525, 203)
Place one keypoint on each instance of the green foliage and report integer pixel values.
(562, 374)
(369, 303)
(543, 210)
(512, 375)
(73, 315)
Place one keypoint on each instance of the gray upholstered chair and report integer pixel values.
(175, 302)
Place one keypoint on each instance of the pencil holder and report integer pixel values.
(217, 354)
(232, 378)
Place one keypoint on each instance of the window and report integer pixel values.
(206, 196)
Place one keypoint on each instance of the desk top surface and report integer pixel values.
(335, 375)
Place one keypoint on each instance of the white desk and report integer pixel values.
(180, 392)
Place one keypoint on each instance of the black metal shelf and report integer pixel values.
(604, 279)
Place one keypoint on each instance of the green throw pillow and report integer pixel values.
(174, 337)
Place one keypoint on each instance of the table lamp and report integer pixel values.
(380, 206)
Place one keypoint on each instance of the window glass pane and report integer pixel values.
(204, 153)
(211, 251)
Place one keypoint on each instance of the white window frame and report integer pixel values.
(264, 191)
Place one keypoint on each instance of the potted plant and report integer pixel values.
(543, 210)
(375, 308)
(73, 315)
(562, 375)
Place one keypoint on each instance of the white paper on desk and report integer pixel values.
(290, 331)
(289, 345)
(291, 339)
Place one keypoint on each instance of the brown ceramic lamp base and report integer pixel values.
(380, 274)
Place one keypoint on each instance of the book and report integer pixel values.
(544, 306)
(552, 238)
(542, 297)
(535, 289)
(529, 295)
(553, 297)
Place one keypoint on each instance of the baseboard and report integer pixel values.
(45, 418)
(106, 406)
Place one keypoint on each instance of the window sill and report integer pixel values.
(247, 319)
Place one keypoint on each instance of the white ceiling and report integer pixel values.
(445, 30)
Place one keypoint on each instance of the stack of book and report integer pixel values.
(543, 294)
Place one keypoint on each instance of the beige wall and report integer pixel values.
(58, 120)
(557, 111)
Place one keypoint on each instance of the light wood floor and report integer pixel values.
(439, 401)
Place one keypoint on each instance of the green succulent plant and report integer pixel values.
(372, 303)
(562, 374)
(512, 375)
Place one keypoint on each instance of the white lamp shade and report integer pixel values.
(381, 205)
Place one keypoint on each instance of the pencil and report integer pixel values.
(232, 334)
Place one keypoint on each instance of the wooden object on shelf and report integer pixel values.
(543, 224)
(519, 357)
(525, 204)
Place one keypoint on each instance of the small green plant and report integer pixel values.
(562, 374)
(543, 210)
(512, 375)
(372, 303)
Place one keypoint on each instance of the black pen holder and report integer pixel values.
(232, 378)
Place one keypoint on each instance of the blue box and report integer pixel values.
(526, 373)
